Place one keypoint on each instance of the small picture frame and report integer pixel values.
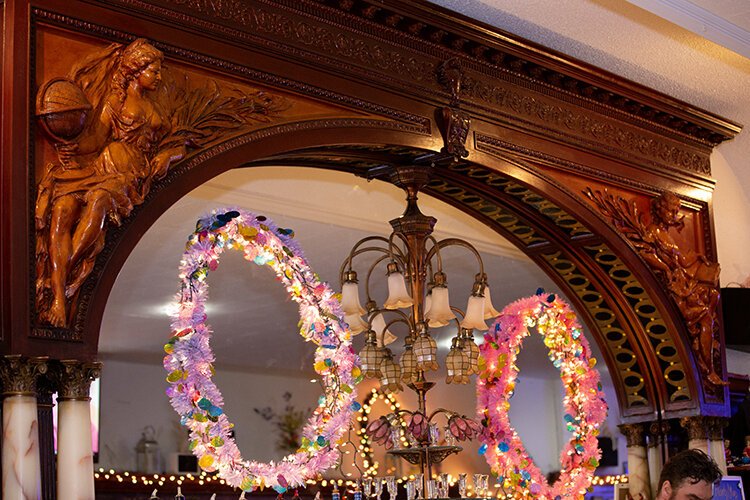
(729, 488)
(621, 491)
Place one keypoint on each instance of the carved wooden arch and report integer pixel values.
(535, 214)
(538, 122)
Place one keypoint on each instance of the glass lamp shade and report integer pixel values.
(371, 356)
(383, 336)
(409, 365)
(474, 318)
(457, 365)
(489, 310)
(469, 347)
(398, 297)
(439, 313)
(425, 349)
(390, 374)
(350, 299)
(356, 323)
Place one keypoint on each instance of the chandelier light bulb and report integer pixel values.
(425, 349)
(474, 318)
(350, 303)
(356, 324)
(390, 374)
(398, 297)
(371, 356)
(409, 371)
(440, 313)
(489, 310)
(457, 365)
(383, 336)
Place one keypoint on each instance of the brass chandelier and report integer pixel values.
(417, 296)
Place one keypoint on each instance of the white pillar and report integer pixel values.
(656, 436)
(75, 459)
(638, 475)
(20, 449)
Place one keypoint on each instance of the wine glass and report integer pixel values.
(434, 434)
(377, 486)
(411, 490)
(462, 485)
(390, 484)
(443, 485)
(367, 487)
(419, 484)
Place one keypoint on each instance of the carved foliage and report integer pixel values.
(635, 434)
(119, 121)
(690, 278)
(19, 374)
(702, 427)
(75, 377)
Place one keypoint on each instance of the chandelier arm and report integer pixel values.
(438, 411)
(458, 242)
(436, 247)
(347, 264)
(405, 319)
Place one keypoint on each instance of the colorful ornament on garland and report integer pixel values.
(189, 359)
(585, 408)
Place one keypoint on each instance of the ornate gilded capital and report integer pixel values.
(75, 379)
(635, 434)
(19, 374)
(657, 432)
(700, 427)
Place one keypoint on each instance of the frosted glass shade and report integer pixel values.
(474, 318)
(350, 299)
(384, 336)
(439, 313)
(489, 310)
(398, 297)
(356, 323)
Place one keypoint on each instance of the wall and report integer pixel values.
(133, 397)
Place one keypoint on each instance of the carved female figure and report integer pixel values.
(102, 176)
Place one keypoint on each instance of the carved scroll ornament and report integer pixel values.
(453, 122)
(119, 121)
(692, 280)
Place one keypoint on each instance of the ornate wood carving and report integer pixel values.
(702, 427)
(454, 123)
(692, 280)
(18, 374)
(635, 434)
(118, 123)
(657, 433)
(75, 379)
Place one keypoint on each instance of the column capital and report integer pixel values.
(702, 427)
(635, 434)
(657, 431)
(18, 374)
(75, 377)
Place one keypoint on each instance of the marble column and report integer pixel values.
(638, 476)
(657, 432)
(706, 434)
(75, 460)
(21, 476)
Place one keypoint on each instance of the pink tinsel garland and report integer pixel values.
(585, 408)
(189, 357)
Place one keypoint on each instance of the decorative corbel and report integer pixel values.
(452, 121)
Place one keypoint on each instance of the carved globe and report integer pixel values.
(62, 108)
